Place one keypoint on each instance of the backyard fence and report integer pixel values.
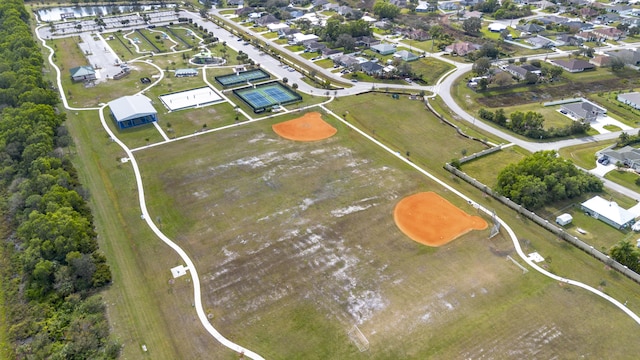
(561, 233)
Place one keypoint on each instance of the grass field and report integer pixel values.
(584, 155)
(288, 266)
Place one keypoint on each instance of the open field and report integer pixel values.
(289, 266)
(144, 304)
(410, 127)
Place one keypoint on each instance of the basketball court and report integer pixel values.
(190, 98)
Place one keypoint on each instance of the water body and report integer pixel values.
(58, 13)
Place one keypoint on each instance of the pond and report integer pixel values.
(60, 13)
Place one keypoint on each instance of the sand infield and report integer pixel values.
(309, 127)
(431, 220)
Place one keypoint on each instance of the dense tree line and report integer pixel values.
(531, 124)
(54, 268)
(336, 26)
(625, 139)
(543, 178)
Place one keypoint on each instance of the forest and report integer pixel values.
(51, 271)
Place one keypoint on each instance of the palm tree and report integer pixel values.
(626, 254)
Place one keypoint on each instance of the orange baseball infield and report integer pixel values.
(309, 127)
(431, 220)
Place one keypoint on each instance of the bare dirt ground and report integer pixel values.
(295, 243)
(431, 220)
(309, 127)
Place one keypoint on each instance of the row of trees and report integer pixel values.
(53, 266)
(503, 10)
(531, 124)
(543, 178)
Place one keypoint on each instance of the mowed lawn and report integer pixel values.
(295, 244)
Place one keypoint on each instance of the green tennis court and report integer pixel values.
(242, 77)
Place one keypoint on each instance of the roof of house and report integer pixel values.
(370, 67)
(497, 26)
(383, 47)
(624, 154)
(405, 55)
(608, 31)
(539, 41)
(532, 28)
(530, 67)
(574, 64)
(131, 107)
(633, 97)
(601, 60)
(82, 71)
(462, 48)
(517, 70)
(583, 109)
(609, 209)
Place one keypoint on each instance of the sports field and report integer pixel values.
(295, 243)
(265, 95)
(242, 77)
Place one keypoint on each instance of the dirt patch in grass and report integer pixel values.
(309, 127)
(431, 220)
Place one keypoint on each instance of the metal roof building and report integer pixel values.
(609, 212)
(130, 111)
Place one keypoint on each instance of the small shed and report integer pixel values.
(564, 219)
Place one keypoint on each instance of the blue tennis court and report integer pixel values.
(242, 77)
(265, 95)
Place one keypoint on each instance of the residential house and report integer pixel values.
(630, 57)
(568, 40)
(448, 6)
(418, 34)
(497, 27)
(578, 25)
(543, 4)
(472, 14)
(585, 110)
(296, 14)
(619, 9)
(82, 73)
(520, 72)
(384, 49)
(399, 3)
(531, 28)
(266, 20)
(382, 24)
(632, 99)
(608, 212)
(244, 11)
(344, 10)
(314, 46)
(237, 3)
(330, 7)
(608, 18)
(574, 65)
(346, 61)
(600, 60)
(586, 36)
(300, 38)
(628, 156)
(406, 55)
(331, 53)
(588, 13)
(287, 32)
(275, 27)
(366, 41)
(319, 3)
(371, 68)
(471, 2)
(603, 34)
(552, 19)
(539, 42)
(424, 6)
(462, 48)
